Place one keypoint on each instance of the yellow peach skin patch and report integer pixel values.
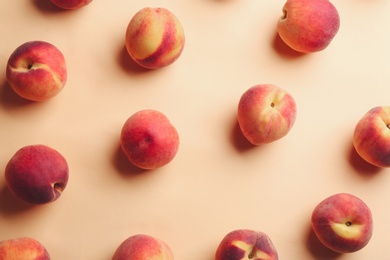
(145, 34)
(250, 251)
(347, 230)
(26, 68)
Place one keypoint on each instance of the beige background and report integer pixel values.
(217, 182)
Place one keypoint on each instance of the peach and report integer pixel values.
(371, 137)
(266, 113)
(308, 26)
(343, 223)
(23, 248)
(36, 70)
(246, 244)
(37, 174)
(71, 4)
(154, 38)
(143, 247)
(149, 140)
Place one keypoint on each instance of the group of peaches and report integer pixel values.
(38, 174)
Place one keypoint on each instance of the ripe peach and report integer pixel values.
(246, 244)
(36, 70)
(308, 26)
(23, 248)
(37, 174)
(149, 140)
(143, 247)
(266, 113)
(371, 137)
(71, 4)
(343, 223)
(154, 38)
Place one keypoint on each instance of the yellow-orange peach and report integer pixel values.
(36, 70)
(307, 25)
(143, 247)
(154, 38)
(266, 113)
(23, 248)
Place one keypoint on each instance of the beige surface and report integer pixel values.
(217, 182)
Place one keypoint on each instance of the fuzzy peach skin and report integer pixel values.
(154, 38)
(71, 4)
(266, 113)
(343, 223)
(308, 25)
(371, 137)
(143, 247)
(36, 70)
(149, 140)
(37, 174)
(23, 248)
(246, 244)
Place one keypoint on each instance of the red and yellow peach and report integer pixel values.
(149, 140)
(23, 248)
(343, 223)
(308, 26)
(371, 137)
(154, 38)
(266, 113)
(246, 244)
(36, 70)
(143, 247)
